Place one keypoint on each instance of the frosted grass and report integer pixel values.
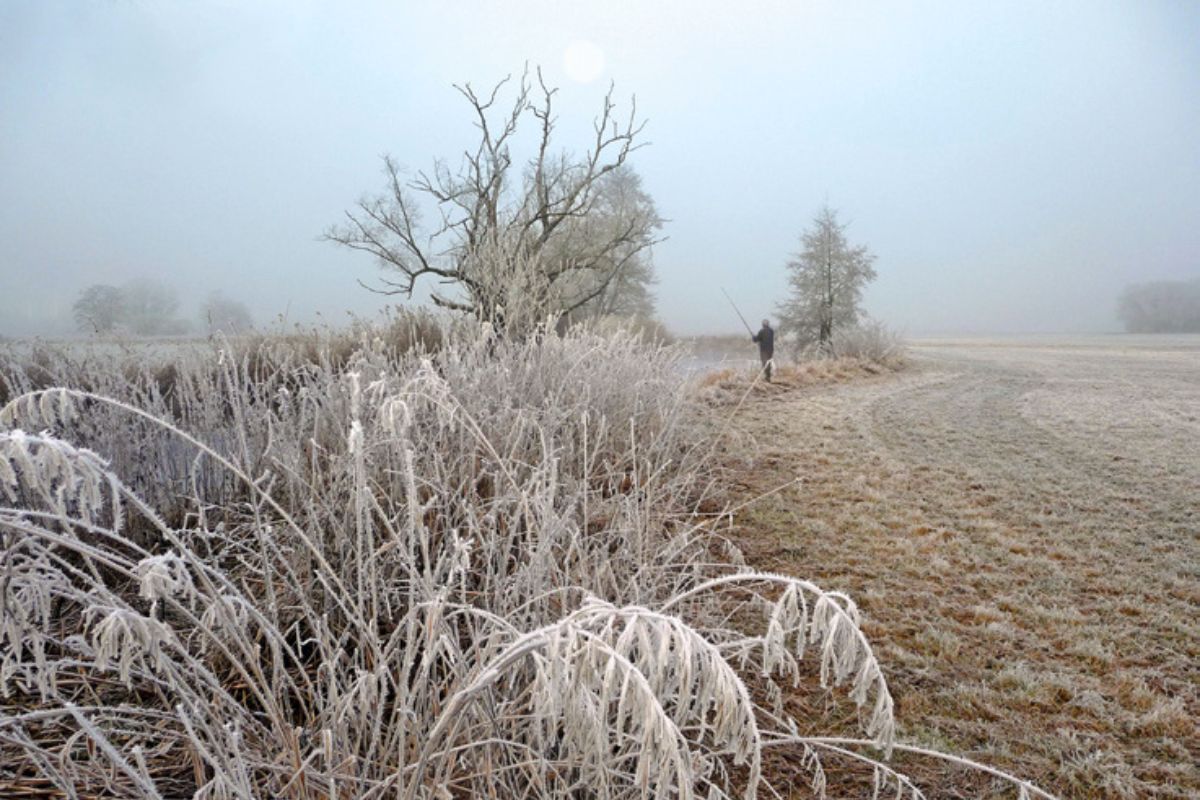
(475, 569)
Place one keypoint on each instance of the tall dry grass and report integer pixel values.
(461, 567)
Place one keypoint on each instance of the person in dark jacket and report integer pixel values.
(766, 347)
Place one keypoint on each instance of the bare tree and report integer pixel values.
(225, 315)
(496, 218)
(826, 278)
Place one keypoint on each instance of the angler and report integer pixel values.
(765, 339)
(766, 347)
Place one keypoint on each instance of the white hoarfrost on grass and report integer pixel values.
(266, 571)
(869, 340)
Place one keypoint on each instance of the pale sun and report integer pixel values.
(583, 61)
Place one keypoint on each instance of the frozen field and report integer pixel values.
(1020, 519)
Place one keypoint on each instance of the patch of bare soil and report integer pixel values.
(1021, 528)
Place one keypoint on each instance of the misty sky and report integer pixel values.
(1012, 165)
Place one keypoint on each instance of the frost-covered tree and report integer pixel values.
(99, 309)
(826, 280)
(545, 224)
(141, 307)
(624, 288)
(225, 315)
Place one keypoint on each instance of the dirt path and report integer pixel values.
(1021, 526)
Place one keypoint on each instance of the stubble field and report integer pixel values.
(1018, 520)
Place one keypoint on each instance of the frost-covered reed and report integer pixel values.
(473, 569)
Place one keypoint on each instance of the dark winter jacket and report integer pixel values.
(766, 342)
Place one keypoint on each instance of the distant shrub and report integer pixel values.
(869, 340)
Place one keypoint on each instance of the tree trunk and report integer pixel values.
(826, 334)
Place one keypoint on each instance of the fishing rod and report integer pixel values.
(739, 313)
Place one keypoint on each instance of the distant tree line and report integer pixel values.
(148, 308)
(1161, 307)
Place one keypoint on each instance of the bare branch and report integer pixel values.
(550, 218)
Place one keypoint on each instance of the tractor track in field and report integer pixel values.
(1020, 524)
